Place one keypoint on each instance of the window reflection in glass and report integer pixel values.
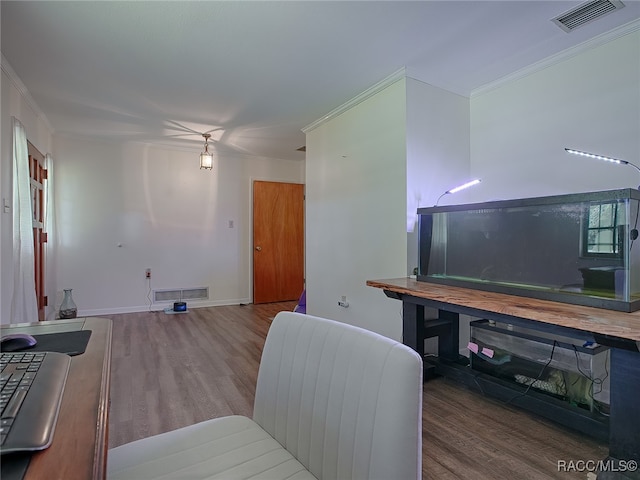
(602, 232)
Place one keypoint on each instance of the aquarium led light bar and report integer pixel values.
(602, 157)
(462, 187)
(458, 188)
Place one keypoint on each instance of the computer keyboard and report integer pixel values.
(31, 388)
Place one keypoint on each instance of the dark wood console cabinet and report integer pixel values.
(618, 330)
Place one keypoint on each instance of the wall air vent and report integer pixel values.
(585, 13)
(180, 294)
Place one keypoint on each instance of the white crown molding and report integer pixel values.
(17, 83)
(369, 92)
(601, 39)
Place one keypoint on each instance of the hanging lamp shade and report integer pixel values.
(206, 158)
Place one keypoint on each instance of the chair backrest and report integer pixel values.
(346, 402)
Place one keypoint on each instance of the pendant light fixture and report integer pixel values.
(206, 158)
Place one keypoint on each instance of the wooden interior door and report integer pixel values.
(38, 175)
(278, 241)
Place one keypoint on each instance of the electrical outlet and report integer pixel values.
(343, 301)
(147, 273)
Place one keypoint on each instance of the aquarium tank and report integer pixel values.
(577, 248)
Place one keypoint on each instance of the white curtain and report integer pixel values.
(52, 237)
(24, 306)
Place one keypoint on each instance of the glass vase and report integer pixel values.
(68, 308)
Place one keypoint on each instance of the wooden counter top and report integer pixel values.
(595, 320)
(79, 447)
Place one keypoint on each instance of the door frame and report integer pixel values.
(38, 177)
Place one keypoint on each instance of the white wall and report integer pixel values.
(356, 211)
(511, 135)
(437, 152)
(589, 102)
(164, 212)
(125, 207)
(15, 102)
(354, 227)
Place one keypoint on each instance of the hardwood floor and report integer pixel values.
(169, 371)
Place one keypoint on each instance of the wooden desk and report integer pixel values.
(79, 447)
(618, 330)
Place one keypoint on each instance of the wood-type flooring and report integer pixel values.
(170, 371)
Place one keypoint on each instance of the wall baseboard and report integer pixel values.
(159, 307)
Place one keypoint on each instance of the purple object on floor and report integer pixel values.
(301, 307)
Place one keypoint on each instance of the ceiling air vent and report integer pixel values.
(585, 13)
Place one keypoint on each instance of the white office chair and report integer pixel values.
(332, 401)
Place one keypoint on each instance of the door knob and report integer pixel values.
(259, 248)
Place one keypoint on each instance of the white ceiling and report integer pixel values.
(257, 72)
